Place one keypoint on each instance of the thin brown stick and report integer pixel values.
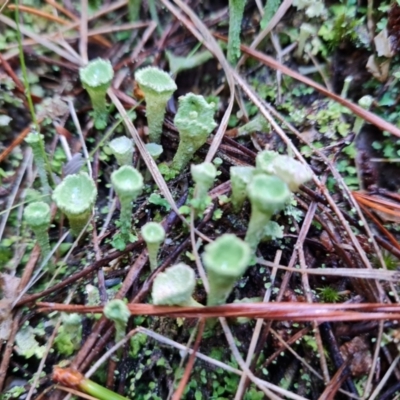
(274, 311)
(189, 366)
(5, 360)
(39, 13)
(16, 142)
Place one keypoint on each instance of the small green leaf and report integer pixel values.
(159, 201)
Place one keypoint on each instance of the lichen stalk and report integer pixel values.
(37, 216)
(236, 10)
(127, 183)
(240, 178)
(36, 142)
(153, 234)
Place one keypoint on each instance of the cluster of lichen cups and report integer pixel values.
(269, 187)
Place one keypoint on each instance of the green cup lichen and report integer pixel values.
(158, 87)
(292, 172)
(268, 195)
(96, 78)
(117, 311)
(174, 287)
(128, 184)
(75, 197)
(225, 261)
(194, 121)
(236, 10)
(153, 234)
(203, 175)
(122, 148)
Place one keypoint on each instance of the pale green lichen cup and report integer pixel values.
(158, 87)
(96, 78)
(75, 197)
(153, 234)
(194, 121)
(292, 172)
(175, 287)
(122, 148)
(225, 261)
(128, 184)
(268, 195)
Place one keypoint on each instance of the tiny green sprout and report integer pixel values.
(194, 121)
(158, 87)
(225, 261)
(291, 171)
(257, 124)
(153, 234)
(134, 10)
(69, 335)
(37, 216)
(96, 78)
(240, 178)
(203, 175)
(128, 184)
(71, 377)
(75, 197)
(174, 287)
(329, 294)
(268, 195)
(306, 31)
(35, 140)
(178, 64)
(346, 86)
(122, 148)
(365, 102)
(236, 10)
(117, 311)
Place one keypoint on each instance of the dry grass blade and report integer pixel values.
(63, 10)
(286, 4)
(378, 274)
(356, 109)
(189, 366)
(39, 13)
(16, 142)
(41, 40)
(204, 36)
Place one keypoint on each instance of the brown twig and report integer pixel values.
(189, 366)
(9, 348)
